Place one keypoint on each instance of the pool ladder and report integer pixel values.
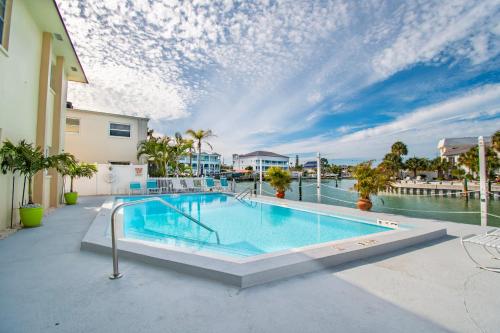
(244, 193)
(116, 273)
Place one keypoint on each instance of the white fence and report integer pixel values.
(110, 179)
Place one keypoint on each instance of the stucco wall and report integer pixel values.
(18, 94)
(93, 144)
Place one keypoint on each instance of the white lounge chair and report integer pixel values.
(489, 241)
(176, 185)
(197, 184)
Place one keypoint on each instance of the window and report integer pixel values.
(52, 76)
(122, 130)
(5, 8)
(72, 124)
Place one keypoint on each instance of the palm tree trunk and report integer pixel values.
(30, 190)
(191, 161)
(71, 185)
(199, 159)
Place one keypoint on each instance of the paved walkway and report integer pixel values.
(48, 285)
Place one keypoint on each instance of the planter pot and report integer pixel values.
(71, 198)
(280, 194)
(31, 216)
(364, 204)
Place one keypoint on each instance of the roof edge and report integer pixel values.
(70, 41)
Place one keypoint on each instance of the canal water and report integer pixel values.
(431, 207)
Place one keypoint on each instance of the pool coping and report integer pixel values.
(259, 269)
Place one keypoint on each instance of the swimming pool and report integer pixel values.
(246, 228)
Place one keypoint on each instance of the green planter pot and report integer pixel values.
(71, 198)
(31, 216)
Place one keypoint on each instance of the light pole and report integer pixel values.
(483, 180)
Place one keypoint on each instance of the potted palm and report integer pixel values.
(73, 170)
(29, 160)
(279, 179)
(370, 181)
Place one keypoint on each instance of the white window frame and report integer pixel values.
(119, 137)
(79, 125)
(4, 41)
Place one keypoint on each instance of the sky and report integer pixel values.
(343, 78)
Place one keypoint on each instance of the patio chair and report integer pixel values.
(176, 185)
(135, 187)
(197, 185)
(209, 184)
(164, 185)
(152, 186)
(490, 242)
(185, 186)
(190, 185)
(224, 184)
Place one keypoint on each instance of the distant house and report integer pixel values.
(210, 163)
(99, 137)
(310, 166)
(253, 159)
(451, 148)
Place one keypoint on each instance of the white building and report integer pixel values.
(451, 148)
(269, 159)
(99, 137)
(210, 163)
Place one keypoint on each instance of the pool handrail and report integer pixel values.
(116, 274)
(244, 193)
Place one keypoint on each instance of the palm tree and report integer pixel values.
(190, 149)
(495, 140)
(391, 164)
(441, 166)
(199, 136)
(369, 181)
(416, 164)
(399, 149)
(30, 160)
(470, 160)
(178, 149)
(279, 179)
(156, 151)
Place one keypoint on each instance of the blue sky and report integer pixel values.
(345, 78)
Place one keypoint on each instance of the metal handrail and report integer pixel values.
(116, 274)
(244, 193)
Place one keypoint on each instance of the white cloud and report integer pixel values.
(429, 29)
(253, 71)
(421, 129)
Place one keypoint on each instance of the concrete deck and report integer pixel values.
(47, 284)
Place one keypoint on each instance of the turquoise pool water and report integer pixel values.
(245, 228)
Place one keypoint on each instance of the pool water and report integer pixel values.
(245, 227)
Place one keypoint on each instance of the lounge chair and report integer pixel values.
(135, 187)
(177, 186)
(224, 184)
(197, 185)
(191, 186)
(184, 185)
(489, 241)
(209, 184)
(152, 186)
(164, 185)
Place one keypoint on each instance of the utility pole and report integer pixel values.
(318, 176)
(483, 180)
(260, 176)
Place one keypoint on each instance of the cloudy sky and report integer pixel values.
(345, 78)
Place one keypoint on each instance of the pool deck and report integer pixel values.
(48, 284)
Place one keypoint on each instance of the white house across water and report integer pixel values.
(253, 159)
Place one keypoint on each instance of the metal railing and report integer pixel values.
(244, 193)
(116, 274)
